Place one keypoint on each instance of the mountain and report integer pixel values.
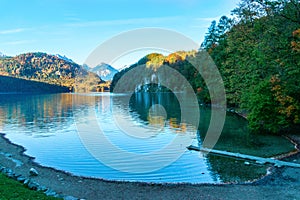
(49, 69)
(104, 71)
(2, 55)
(86, 67)
(64, 58)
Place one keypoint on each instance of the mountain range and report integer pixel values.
(105, 71)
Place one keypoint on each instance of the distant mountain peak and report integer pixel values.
(64, 58)
(2, 55)
(105, 71)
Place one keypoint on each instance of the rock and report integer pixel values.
(26, 181)
(8, 155)
(21, 179)
(5, 171)
(10, 173)
(33, 172)
(50, 192)
(33, 185)
(70, 198)
(61, 179)
(17, 176)
(246, 163)
(42, 188)
(260, 162)
(278, 165)
(2, 169)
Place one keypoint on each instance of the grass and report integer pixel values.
(13, 190)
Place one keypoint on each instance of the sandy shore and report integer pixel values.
(282, 183)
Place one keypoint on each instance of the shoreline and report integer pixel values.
(295, 142)
(64, 184)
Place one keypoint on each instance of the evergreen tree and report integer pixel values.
(259, 61)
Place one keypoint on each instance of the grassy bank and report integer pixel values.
(11, 189)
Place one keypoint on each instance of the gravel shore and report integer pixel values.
(282, 183)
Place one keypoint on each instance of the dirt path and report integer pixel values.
(283, 183)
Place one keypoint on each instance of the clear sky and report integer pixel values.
(75, 28)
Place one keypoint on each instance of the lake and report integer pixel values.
(140, 137)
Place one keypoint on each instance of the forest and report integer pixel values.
(16, 85)
(257, 52)
(50, 69)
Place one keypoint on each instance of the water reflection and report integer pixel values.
(40, 112)
(160, 109)
(142, 103)
(45, 126)
(130, 145)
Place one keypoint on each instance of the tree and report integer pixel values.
(259, 60)
(249, 10)
(211, 37)
(223, 27)
(216, 33)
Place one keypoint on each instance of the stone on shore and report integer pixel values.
(33, 185)
(247, 163)
(51, 193)
(33, 172)
(21, 179)
(70, 198)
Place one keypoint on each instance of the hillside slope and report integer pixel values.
(16, 85)
(49, 69)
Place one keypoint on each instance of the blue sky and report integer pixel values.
(75, 28)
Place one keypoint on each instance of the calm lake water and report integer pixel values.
(62, 131)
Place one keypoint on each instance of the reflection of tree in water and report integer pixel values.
(49, 111)
(234, 138)
(237, 139)
(222, 168)
(161, 109)
(146, 105)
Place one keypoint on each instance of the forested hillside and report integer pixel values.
(257, 52)
(16, 85)
(49, 69)
(150, 67)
